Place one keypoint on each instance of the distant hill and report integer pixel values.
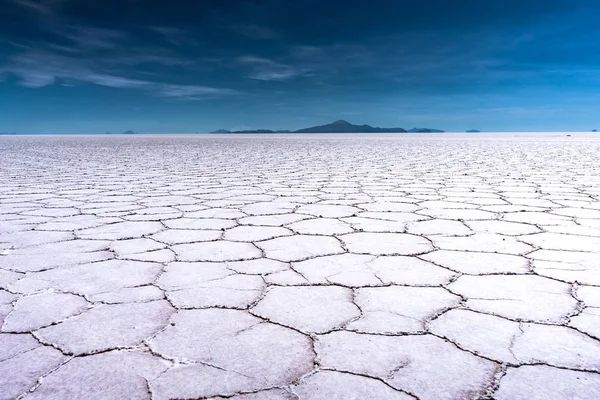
(340, 126)
(425, 130)
(346, 127)
(251, 131)
(255, 131)
(473, 131)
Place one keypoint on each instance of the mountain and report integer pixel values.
(425, 130)
(251, 131)
(473, 131)
(255, 131)
(346, 127)
(339, 126)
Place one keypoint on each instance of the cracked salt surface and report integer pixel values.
(292, 267)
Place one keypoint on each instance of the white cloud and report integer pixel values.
(41, 6)
(36, 69)
(193, 92)
(267, 70)
(35, 79)
(116, 81)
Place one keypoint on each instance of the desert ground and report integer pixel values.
(444, 266)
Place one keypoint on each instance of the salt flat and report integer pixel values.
(445, 266)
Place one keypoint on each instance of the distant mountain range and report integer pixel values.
(425, 130)
(346, 127)
(338, 127)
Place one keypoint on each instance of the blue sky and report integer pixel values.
(88, 66)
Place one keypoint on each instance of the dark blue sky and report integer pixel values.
(83, 66)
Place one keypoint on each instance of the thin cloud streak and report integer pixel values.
(264, 69)
(255, 31)
(39, 69)
(40, 6)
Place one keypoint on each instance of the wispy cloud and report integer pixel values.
(255, 31)
(174, 36)
(37, 79)
(91, 38)
(193, 92)
(40, 6)
(36, 69)
(73, 54)
(268, 70)
(116, 81)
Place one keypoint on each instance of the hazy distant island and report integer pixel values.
(425, 130)
(340, 126)
(260, 131)
(346, 127)
(473, 131)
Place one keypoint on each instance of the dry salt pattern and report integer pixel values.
(290, 267)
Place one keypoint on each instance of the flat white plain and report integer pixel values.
(430, 266)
